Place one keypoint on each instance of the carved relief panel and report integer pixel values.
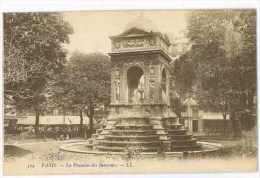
(133, 43)
(153, 82)
(164, 84)
(115, 83)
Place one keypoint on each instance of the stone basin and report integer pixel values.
(85, 147)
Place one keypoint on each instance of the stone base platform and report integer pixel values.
(139, 128)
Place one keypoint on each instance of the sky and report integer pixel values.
(93, 28)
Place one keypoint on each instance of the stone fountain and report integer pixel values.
(140, 114)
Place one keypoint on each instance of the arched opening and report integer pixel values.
(135, 82)
(163, 86)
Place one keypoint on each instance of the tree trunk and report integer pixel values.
(63, 113)
(91, 116)
(232, 118)
(225, 113)
(225, 124)
(81, 122)
(236, 127)
(37, 121)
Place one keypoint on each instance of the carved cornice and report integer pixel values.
(141, 51)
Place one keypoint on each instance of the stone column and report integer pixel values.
(146, 78)
(112, 97)
(167, 86)
(124, 85)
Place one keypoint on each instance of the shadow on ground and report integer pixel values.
(14, 151)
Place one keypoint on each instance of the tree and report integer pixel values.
(86, 84)
(183, 75)
(223, 53)
(182, 81)
(33, 54)
(58, 90)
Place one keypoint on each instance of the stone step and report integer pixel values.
(134, 120)
(178, 141)
(129, 144)
(131, 137)
(136, 126)
(174, 126)
(132, 132)
(168, 122)
(173, 132)
(181, 137)
(124, 149)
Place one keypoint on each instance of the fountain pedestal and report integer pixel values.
(139, 128)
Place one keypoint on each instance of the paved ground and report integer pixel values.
(44, 157)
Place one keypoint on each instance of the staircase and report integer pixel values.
(179, 138)
(130, 134)
(143, 135)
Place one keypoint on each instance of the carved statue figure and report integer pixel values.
(139, 91)
(117, 88)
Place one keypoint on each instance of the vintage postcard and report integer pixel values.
(147, 91)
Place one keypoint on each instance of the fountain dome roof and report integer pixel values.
(144, 24)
